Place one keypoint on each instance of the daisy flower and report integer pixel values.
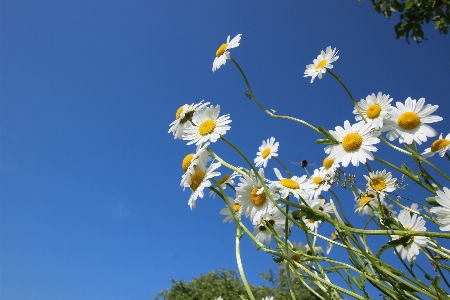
(411, 222)
(252, 196)
(408, 121)
(297, 186)
(355, 143)
(321, 64)
(380, 182)
(269, 298)
(440, 145)
(222, 53)
(267, 150)
(206, 126)
(272, 216)
(320, 181)
(443, 213)
(330, 166)
(295, 253)
(237, 207)
(362, 203)
(199, 181)
(183, 115)
(374, 109)
(333, 237)
(320, 206)
(194, 161)
(227, 179)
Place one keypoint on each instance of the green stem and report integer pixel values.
(241, 269)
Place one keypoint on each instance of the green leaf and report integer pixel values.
(409, 4)
(402, 241)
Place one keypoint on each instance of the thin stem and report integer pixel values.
(239, 263)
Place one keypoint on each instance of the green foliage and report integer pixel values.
(226, 283)
(413, 13)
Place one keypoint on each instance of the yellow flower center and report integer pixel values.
(378, 184)
(411, 238)
(257, 199)
(364, 201)
(187, 161)
(196, 179)
(352, 142)
(221, 50)
(179, 111)
(439, 144)
(321, 64)
(373, 111)
(317, 180)
(311, 220)
(296, 257)
(265, 153)
(236, 207)
(327, 163)
(408, 120)
(207, 127)
(289, 183)
(224, 178)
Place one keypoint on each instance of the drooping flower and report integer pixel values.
(374, 109)
(183, 116)
(380, 182)
(443, 212)
(193, 162)
(200, 180)
(227, 179)
(321, 63)
(275, 218)
(267, 150)
(355, 143)
(320, 206)
(333, 237)
(206, 126)
(295, 253)
(438, 146)
(250, 192)
(237, 208)
(408, 121)
(297, 186)
(411, 222)
(330, 166)
(366, 201)
(222, 53)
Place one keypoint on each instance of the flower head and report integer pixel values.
(275, 218)
(250, 192)
(408, 121)
(439, 146)
(374, 109)
(330, 166)
(222, 53)
(355, 143)
(320, 181)
(443, 212)
(297, 186)
(267, 150)
(206, 126)
(183, 116)
(321, 63)
(227, 179)
(193, 162)
(295, 253)
(411, 222)
(199, 181)
(366, 201)
(380, 182)
(237, 208)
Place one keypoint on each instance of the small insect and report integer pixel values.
(304, 163)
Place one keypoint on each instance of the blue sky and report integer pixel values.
(90, 203)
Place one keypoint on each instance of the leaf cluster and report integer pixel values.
(414, 13)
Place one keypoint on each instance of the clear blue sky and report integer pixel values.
(90, 203)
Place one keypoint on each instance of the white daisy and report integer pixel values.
(297, 186)
(411, 222)
(443, 213)
(295, 253)
(320, 181)
(333, 237)
(330, 166)
(320, 206)
(355, 143)
(366, 201)
(267, 150)
(252, 196)
(206, 126)
(321, 63)
(374, 109)
(182, 116)
(408, 121)
(222, 53)
(237, 207)
(199, 181)
(439, 146)
(227, 179)
(380, 182)
(272, 216)
(194, 161)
